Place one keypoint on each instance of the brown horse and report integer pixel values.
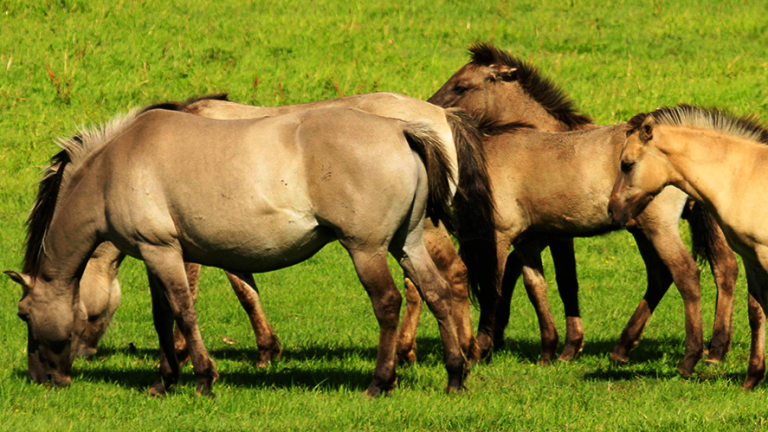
(510, 93)
(719, 160)
(298, 182)
(464, 149)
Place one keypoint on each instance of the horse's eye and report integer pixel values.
(626, 167)
(459, 90)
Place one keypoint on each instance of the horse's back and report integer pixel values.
(252, 189)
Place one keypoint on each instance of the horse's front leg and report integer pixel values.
(658, 281)
(167, 272)
(666, 242)
(162, 314)
(564, 259)
(269, 345)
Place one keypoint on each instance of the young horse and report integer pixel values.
(153, 186)
(720, 161)
(465, 153)
(507, 91)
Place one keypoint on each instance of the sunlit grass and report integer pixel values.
(614, 58)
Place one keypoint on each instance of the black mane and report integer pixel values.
(712, 118)
(541, 89)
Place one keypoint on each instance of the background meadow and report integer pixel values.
(69, 63)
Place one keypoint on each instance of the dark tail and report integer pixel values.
(703, 235)
(426, 143)
(474, 206)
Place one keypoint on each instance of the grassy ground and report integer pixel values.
(65, 63)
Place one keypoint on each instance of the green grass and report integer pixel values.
(614, 58)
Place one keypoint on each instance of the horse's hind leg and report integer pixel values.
(193, 279)
(564, 259)
(447, 260)
(725, 268)
(418, 266)
(374, 273)
(536, 286)
(166, 269)
(406, 340)
(266, 339)
(489, 299)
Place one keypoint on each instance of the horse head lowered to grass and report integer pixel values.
(247, 196)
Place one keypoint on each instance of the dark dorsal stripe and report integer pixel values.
(182, 106)
(541, 89)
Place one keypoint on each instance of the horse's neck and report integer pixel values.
(72, 235)
(711, 166)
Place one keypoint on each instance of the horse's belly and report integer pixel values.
(266, 243)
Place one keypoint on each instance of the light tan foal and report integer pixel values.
(721, 161)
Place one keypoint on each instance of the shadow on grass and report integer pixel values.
(429, 352)
(648, 350)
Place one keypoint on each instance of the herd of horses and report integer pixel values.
(253, 189)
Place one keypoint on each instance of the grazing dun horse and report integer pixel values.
(558, 184)
(247, 196)
(720, 160)
(100, 289)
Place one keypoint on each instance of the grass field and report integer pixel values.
(66, 63)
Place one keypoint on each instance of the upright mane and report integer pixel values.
(708, 118)
(541, 89)
(75, 151)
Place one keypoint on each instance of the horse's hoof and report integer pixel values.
(473, 354)
(156, 390)
(715, 356)
(376, 390)
(751, 382)
(266, 357)
(406, 358)
(618, 359)
(544, 362)
(457, 390)
(569, 354)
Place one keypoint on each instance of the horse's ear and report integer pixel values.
(646, 129)
(503, 73)
(20, 278)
